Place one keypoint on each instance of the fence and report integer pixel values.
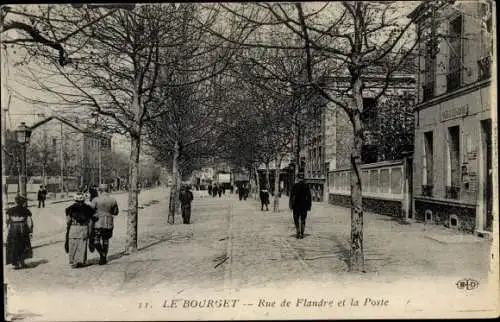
(383, 187)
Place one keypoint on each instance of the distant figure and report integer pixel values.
(240, 192)
(214, 191)
(78, 223)
(232, 189)
(92, 193)
(20, 229)
(42, 196)
(106, 209)
(223, 190)
(210, 189)
(264, 199)
(219, 190)
(300, 203)
(186, 197)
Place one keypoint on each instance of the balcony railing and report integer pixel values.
(427, 190)
(452, 192)
(428, 90)
(484, 67)
(453, 81)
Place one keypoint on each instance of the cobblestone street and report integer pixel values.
(232, 246)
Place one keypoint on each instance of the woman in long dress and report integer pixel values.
(78, 218)
(20, 229)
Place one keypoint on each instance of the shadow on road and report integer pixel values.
(34, 264)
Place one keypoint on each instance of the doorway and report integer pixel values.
(487, 174)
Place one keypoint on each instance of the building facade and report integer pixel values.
(454, 157)
(328, 140)
(76, 151)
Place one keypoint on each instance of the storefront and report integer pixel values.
(453, 160)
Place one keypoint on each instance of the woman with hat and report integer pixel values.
(20, 230)
(79, 217)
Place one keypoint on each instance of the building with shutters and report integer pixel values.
(454, 153)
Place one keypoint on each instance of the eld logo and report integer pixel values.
(467, 284)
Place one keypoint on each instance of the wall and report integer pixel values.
(382, 186)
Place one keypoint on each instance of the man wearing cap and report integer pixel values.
(186, 197)
(106, 209)
(300, 204)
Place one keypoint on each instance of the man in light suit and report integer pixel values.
(106, 208)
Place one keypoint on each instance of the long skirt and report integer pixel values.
(77, 250)
(18, 246)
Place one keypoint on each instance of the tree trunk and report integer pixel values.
(356, 260)
(133, 191)
(172, 206)
(276, 203)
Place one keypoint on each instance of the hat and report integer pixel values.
(79, 197)
(20, 199)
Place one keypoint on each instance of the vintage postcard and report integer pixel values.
(249, 161)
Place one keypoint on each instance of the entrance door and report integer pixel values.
(488, 191)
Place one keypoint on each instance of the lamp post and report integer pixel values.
(23, 134)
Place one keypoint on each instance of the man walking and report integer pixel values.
(42, 196)
(264, 199)
(106, 208)
(300, 204)
(186, 197)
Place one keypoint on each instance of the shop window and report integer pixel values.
(453, 187)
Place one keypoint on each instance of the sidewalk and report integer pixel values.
(232, 246)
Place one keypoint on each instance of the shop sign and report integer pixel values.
(454, 112)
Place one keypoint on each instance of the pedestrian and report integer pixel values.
(219, 191)
(300, 204)
(41, 196)
(246, 190)
(210, 189)
(264, 199)
(93, 193)
(232, 189)
(20, 229)
(106, 208)
(186, 197)
(79, 217)
(214, 190)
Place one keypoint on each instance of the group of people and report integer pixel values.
(88, 225)
(216, 190)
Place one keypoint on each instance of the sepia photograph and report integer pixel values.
(249, 160)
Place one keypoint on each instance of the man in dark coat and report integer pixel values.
(209, 189)
(300, 204)
(264, 199)
(186, 197)
(41, 196)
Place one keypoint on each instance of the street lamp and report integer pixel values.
(23, 134)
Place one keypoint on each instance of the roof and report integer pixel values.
(68, 123)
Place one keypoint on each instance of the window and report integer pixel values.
(453, 179)
(453, 79)
(369, 115)
(429, 69)
(54, 145)
(428, 158)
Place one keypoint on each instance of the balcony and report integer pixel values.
(484, 68)
(453, 81)
(427, 190)
(452, 192)
(428, 91)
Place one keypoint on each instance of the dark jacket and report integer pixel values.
(42, 194)
(186, 197)
(300, 198)
(264, 196)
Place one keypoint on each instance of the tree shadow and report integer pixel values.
(34, 264)
(343, 249)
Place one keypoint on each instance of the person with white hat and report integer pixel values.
(79, 217)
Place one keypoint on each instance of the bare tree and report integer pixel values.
(351, 39)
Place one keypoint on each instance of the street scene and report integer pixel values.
(216, 161)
